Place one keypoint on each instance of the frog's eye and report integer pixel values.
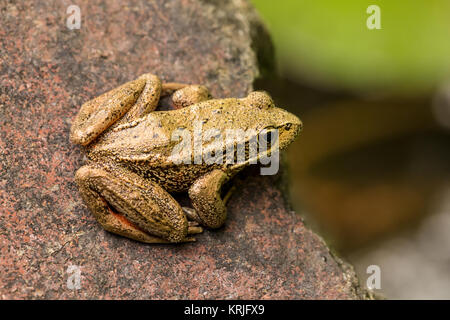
(260, 99)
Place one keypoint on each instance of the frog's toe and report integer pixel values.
(190, 95)
(191, 214)
(194, 228)
(193, 224)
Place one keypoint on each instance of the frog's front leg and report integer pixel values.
(126, 204)
(129, 101)
(210, 208)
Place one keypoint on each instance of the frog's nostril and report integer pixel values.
(288, 126)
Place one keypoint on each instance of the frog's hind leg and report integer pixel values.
(128, 205)
(147, 101)
(136, 97)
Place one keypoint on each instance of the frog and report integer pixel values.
(132, 172)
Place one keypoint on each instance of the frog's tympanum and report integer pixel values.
(133, 164)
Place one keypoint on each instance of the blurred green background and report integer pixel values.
(371, 170)
(327, 42)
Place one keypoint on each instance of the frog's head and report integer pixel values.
(269, 117)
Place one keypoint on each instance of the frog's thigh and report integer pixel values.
(131, 206)
(97, 115)
(127, 102)
(148, 99)
(206, 200)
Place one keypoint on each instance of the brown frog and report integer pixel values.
(133, 160)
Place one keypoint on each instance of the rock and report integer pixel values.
(48, 71)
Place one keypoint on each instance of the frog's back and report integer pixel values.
(146, 148)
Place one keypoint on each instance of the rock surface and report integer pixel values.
(48, 71)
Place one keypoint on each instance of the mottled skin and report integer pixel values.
(132, 166)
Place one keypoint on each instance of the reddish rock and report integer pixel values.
(48, 71)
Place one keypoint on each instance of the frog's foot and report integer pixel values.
(191, 214)
(185, 95)
(194, 228)
(189, 95)
(128, 205)
(193, 220)
(170, 87)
